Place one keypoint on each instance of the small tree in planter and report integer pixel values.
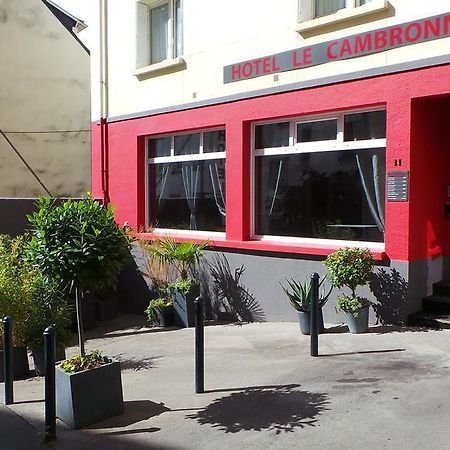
(80, 244)
(182, 258)
(352, 267)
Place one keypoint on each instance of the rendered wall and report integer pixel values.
(45, 111)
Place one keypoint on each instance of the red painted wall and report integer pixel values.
(406, 133)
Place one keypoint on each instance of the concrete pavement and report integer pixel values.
(387, 389)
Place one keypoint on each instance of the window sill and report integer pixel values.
(343, 16)
(217, 242)
(161, 68)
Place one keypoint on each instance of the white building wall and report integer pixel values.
(217, 34)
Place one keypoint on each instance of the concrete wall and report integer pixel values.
(44, 93)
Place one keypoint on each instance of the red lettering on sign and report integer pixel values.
(433, 28)
(301, 58)
(446, 24)
(236, 71)
(363, 44)
(346, 49)
(380, 39)
(274, 63)
(257, 66)
(330, 54)
(247, 69)
(395, 36)
(410, 36)
(267, 62)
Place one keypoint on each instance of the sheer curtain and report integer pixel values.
(190, 183)
(325, 7)
(218, 188)
(371, 173)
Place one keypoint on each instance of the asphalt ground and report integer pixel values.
(386, 389)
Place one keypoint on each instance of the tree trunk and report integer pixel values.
(78, 297)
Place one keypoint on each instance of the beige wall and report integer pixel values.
(44, 87)
(220, 33)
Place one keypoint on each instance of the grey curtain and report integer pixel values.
(325, 7)
(371, 173)
(218, 188)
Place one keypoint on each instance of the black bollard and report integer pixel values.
(314, 325)
(8, 363)
(199, 347)
(50, 389)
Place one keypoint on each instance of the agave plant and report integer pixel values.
(299, 294)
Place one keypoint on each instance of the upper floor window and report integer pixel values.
(325, 7)
(159, 31)
(186, 181)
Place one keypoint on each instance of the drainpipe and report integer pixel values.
(104, 98)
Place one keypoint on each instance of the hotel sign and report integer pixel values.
(362, 44)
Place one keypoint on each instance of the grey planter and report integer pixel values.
(304, 320)
(358, 324)
(39, 358)
(183, 305)
(90, 396)
(164, 316)
(21, 368)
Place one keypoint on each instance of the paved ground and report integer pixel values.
(386, 389)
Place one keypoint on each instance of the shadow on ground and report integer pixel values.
(134, 411)
(271, 408)
(137, 364)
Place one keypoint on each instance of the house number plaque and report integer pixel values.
(397, 186)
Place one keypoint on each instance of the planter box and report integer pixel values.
(358, 324)
(106, 309)
(39, 358)
(304, 320)
(21, 368)
(90, 396)
(164, 316)
(184, 308)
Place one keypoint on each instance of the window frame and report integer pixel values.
(172, 62)
(201, 156)
(296, 148)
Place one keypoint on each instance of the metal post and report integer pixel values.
(8, 363)
(50, 389)
(199, 347)
(314, 325)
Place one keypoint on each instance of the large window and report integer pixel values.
(186, 181)
(325, 7)
(159, 31)
(321, 178)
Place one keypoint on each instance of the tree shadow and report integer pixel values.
(391, 292)
(134, 411)
(271, 408)
(238, 302)
(138, 363)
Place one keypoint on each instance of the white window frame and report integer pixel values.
(200, 156)
(172, 62)
(296, 148)
(308, 22)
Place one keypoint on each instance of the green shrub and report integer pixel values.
(352, 305)
(158, 303)
(78, 242)
(78, 363)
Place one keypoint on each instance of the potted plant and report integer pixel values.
(299, 296)
(15, 301)
(160, 311)
(182, 258)
(92, 388)
(352, 267)
(80, 244)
